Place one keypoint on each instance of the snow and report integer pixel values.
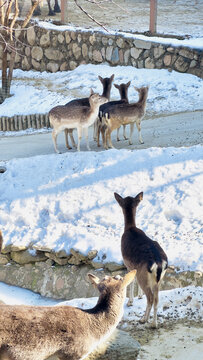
(169, 92)
(173, 304)
(67, 201)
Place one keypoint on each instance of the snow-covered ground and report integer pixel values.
(169, 92)
(67, 201)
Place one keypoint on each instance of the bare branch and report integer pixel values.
(14, 19)
(30, 12)
(89, 16)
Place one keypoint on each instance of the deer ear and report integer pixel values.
(101, 79)
(139, 197)
(137, 89)
(91, 92)
(128, 84)
(119, 199)
(112, 77)
(94, 279)
(116, 86)
(129, 277)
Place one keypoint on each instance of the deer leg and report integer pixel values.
(150, 300)
(86, 137)
(131, 293)
(66, 139)
(95, 130)
(131, 133)
(57, 7)
(118, 139)
(79, 130)
(72, 139)
(140, 292)
(54, 137)
(139, 132)
(109, 139)
(124, 133)
(155, 304)
(51, 12)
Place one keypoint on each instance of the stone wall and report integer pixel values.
(57, 50)
(64, 276)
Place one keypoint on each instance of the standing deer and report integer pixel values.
(75, 117)
(70, 333)
(107, 84)
(141, 253)
(51, 12)
(122, 114)
(101, 127)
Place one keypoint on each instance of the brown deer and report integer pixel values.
(51, 12)
(141, 253)
(123, 114)
(75, 117)
(107, 84)
(101, 127)
(70, 333)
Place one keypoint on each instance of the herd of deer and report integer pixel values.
(96, 109)
(70, 333)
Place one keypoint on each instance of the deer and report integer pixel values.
(101, 127)
(122, 114)
(143, 254)
(53, 12)
(107, 84)
(80, 117)
(38, 332)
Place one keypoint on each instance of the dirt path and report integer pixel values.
(184, 129)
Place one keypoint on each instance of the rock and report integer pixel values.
(45, 40)
(60, 261)
(120, 346)
(84, 50)
(158, 52)
(25, 257)
(149, 63)
(92, 254)
(181, 64)
(186, 53)
(120, 43)
(109, 51)
(67, 37)
(97, 265)
(112, 266)
(141, 44)
(135, 53)
(52, 67)
(97, 56)
(53, 54)
(36, 65)
(92, 39)
(37, 53)
(18, 248)
(167, 60)
(31, 37)
(72, 65)
(76, 51)
(60, 39)
(115, 56)
(126, 56)
(4, 260)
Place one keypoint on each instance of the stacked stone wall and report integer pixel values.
(57, 50)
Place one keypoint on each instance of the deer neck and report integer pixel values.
(123, 95)
(106, 91)
(142, 98)
(106, 315)
(129, 219)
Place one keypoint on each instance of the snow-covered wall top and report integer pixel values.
(48, 47)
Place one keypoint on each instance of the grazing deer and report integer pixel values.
(70, 333)
(101, 127)
(75, 117)
(51, 12)
(123, 114)
(141, 253)
(107, 84)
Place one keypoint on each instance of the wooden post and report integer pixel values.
(153, 16)
(63, 10)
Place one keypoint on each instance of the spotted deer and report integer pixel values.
(75, 117)
(143, 254)
(107, 84)
(122, 114)
(101, 127)
(70, 333)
